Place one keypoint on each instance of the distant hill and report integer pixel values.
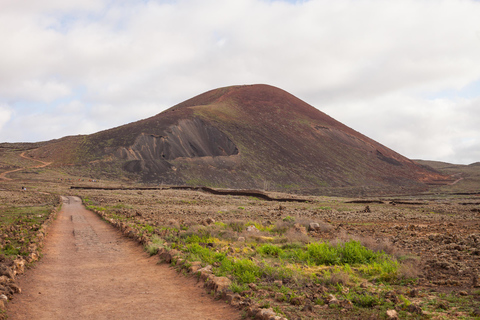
(466, 178)
(254, 136)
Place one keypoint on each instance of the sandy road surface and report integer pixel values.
(90, 271)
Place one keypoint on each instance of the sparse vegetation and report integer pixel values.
(291, 250)
(297, 257)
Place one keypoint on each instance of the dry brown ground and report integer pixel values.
(440, 233)
(90, 271)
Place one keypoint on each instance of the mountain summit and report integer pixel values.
(253, 136)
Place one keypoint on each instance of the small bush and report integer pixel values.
(364, 300)
(245, 271)
(198, 252)
(294, 236)
(237, 225)
(270, 250)
(281, 227)
(339, 277)
(238, 288)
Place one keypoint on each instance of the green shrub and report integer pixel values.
(364, 300)
(244, 270)
(352, 252)
(198, 252)
(238, 288)
(270, 250)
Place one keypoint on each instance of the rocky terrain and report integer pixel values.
(435, 240)
(410, 256)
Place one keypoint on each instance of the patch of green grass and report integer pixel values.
(364, 300)
(238, 288)
(270, 249)
(324, 208)
(197, 252)
(245, 271)
(19, 226)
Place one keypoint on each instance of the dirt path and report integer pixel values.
(90, 271)
(3, 175)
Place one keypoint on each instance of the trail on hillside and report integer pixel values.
(90, 271)
(43, 164)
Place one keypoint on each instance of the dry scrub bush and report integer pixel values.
(282, 227)
(339, 277)
(173, 223)
(409, 269)
(236, 225)
(376, 245)
(294, 236)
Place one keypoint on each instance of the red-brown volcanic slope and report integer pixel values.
(249, 137)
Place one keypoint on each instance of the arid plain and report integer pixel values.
(408, 256)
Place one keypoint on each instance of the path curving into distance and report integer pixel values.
(91, 271)
(3, 175)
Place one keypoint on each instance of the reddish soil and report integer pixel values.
(89, 270)
(3, 175)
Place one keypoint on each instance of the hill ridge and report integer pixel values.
(245, 137)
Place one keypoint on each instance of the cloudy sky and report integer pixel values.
(403, 72)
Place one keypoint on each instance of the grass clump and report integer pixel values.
(270, 250)
(245, 271)
(197, 252)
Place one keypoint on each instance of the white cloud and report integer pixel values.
(438, 129)
(122, 60)
(5, 114)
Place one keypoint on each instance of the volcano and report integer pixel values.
(243, 137)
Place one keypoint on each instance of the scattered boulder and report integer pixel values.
(413, 293)
(209, 221)
(392, 314)
(218, 284)
(392, 296)
(252, 229)
(14, 287)
(299, 228)
(313, 226)
(195, 266)
(208, 268)
(165, 256)
(19, 266)
(7, 271)
(265, 314)
(233, 298)
(413, 308)
(331, 300)
(308, 307)
(297, 301)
